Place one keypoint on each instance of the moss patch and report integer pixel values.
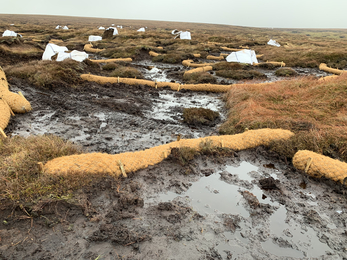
(200, 116)
(240, 74)
(285, 72)
(199, 77)
(126, 72)
(110, 66)
(168, 58)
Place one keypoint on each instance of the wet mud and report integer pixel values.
(246, 205)
(233, 207)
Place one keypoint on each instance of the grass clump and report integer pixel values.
(168, 58)
(47, 74)
(285, 72)
(126, 72)
(21, 178)
(110, 66)
(199, 77)
(265, 65)
(240, 74)
(21, 49)
(332, 144)
(199, 116)
(121, 52)
(183, 154)
(224, 65)
(315, 111)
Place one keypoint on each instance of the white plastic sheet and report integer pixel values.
(183, 35)
(141, 29)
(65, 28)
(58, 27)
(94, 38)
(244, 56)
(75, 55)
(273, 43)
(115, 31)
(101, 28)
(9, 33)
(51, 50)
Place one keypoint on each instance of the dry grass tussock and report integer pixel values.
(199, 78)
(126, 72)
(314, 110)
(21, 178)
(48, 73)
(199, 116)
(21, 49)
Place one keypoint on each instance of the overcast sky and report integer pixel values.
(255, 13)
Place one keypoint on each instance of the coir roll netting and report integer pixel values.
(153, 54)
(211, 57)
(113, 60)
(3, 80)
(5, 114)
(275, 63)
(230, 49)
(17, 102)
(324, 67)
(89, 48)
(10, 102)
(317, 165)
(200, 69)
(118, 164)
(326, 78)
(173, 86)
(189, 63)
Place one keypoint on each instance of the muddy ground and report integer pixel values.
(246, 205)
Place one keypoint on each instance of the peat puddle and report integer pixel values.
(215, 197)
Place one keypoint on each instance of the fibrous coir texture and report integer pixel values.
(324, 67)
(153, 54)
(173, 86)
(275, 63)
(5, 114)
(317, 165)
(200, 69)
(100, 163)
(17, 103)
(211, 57)
(326, 78)
(189, 63)
(89, 48)
(113, 60)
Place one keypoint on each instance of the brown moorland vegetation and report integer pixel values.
(314, 110)
(21, 177)
(300, 47)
